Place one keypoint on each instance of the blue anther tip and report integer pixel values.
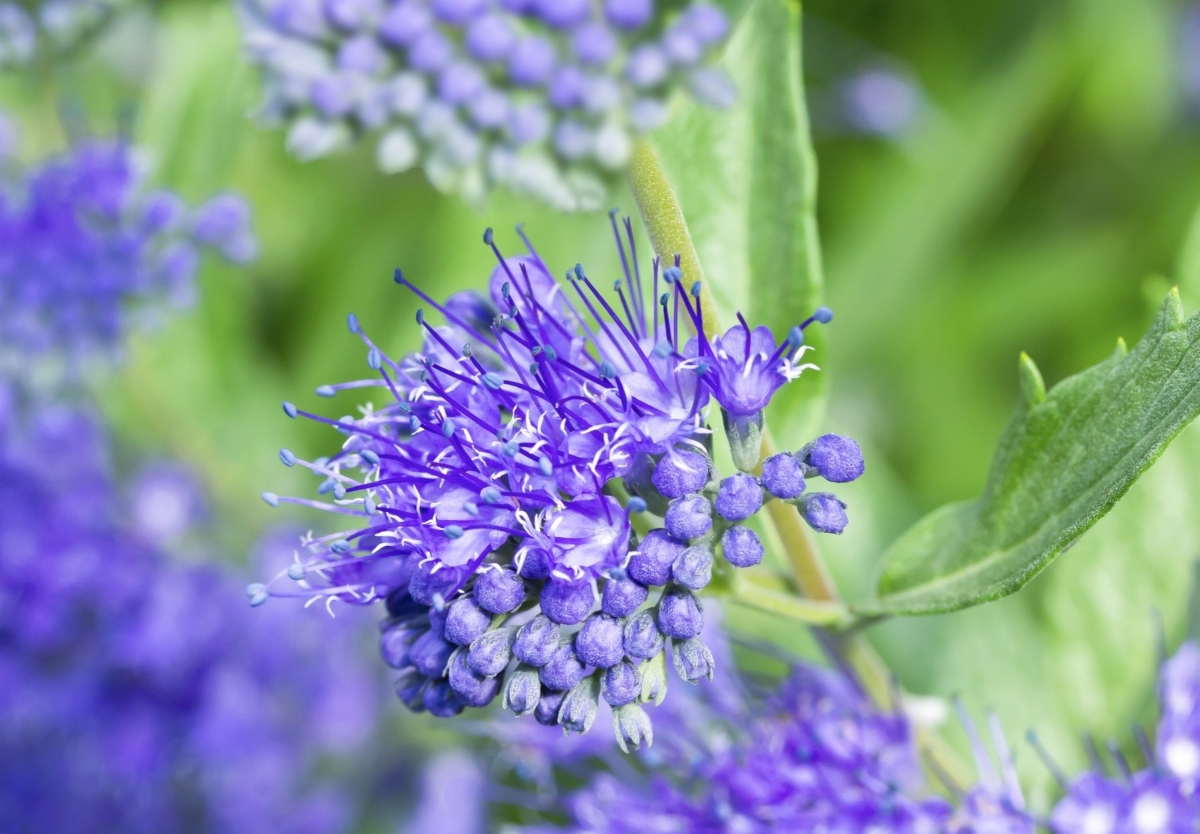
(613, 212)
(636, 505)
(795, 337)
(672, 274)
(696, 288)
(271, 498)
(296, 571)
(453, 531)
(823, 315)
(352, 323)
(398, 276)
(326, 391)
(374, 359)
(289, 410)
(369, 456)
(488, 236)
(287, 457)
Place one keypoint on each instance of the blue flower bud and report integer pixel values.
(394, 643)
(426, 582)
(742, 547)
(548, 707)
(642, 638)
(689, 518)
(621, 597)
(783, 475)
(579, 708)
(441, 700)
(739, 497)
(679, 614)
(536, 641)
(463, 679)
(564, 669)
(491, 651)
(535, 563)
(651, 565)
(632, 726)
(466, 621)
(429, 654)
(622, 684)
(523, 691)
(824, 512)
(835, 458)
(566, 602)
(499, 590)
(693, 569)
(410, 689)
(693, 660)
(628, 14)
(680, 473)
(599, 642)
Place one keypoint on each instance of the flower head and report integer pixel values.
(140, 691)
(542, 97)
(480, 497)
(85, 249)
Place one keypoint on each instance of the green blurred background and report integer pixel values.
(1037, 198)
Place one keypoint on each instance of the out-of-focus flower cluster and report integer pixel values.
(136, 694)
(542, 96)
(812, 753)
(53, 26)
(86, 248)
(537, 503)
(1161, 798)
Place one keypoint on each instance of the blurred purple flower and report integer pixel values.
(544, 98)
(84, 248)
(141, 695)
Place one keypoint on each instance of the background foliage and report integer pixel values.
(1038, 200)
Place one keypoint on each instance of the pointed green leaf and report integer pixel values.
(1065, 459)
(746, 180)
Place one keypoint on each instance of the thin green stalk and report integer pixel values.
(663, 217)
(746, 591)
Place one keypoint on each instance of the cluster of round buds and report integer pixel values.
(54, 25)
(86, 245)
(488, 502)
(541, 96)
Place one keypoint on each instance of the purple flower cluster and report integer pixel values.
(51, 25)
(483, 503)
(542, 96)
(811, 755)
(138, 695)
(1161, 798)
(85, 247)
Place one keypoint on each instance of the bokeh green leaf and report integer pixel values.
(1063, 462)
(746, 180)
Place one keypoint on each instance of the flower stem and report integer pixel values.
(746, 590)
(663, 217)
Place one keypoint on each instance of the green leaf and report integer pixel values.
(1063, 462)
(746, 180)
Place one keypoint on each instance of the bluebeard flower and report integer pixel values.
(478, 499)
(86, 248)
(138, 694)
(542, 97)
(1161, 799)
(812, 754)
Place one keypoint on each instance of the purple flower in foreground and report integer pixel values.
(141, 695)
(85, 249)
(477, 501)
(545, 98)
(1161, 799)
(812, 755)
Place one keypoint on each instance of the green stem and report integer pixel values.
(745, 591)
(663, 217)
